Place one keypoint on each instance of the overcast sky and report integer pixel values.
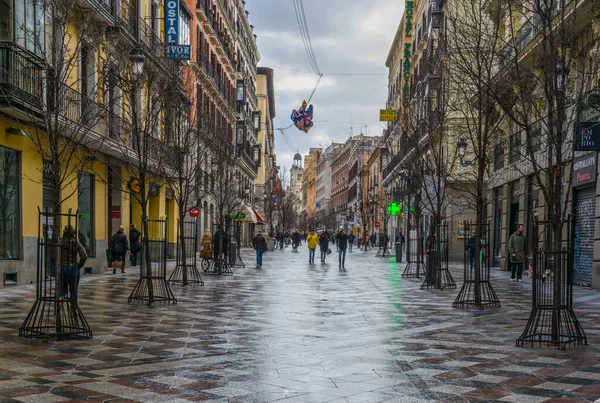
(348, 37)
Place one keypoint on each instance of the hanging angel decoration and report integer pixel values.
(302, 117)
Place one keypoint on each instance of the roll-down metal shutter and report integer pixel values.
(583, 237)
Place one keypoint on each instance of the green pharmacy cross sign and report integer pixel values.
(239, 216)
(394, 209)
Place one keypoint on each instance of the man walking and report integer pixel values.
(350, 241)
(260, 245)
(342, 245)
(312, 239)
(516, 248)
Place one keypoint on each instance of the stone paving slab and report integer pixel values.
(293, 332)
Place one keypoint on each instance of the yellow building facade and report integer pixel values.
(72, 126)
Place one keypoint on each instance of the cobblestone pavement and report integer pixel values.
(297, 333)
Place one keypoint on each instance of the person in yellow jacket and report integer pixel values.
(313, 241)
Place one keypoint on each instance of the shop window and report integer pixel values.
(10, 205)
(85, 221)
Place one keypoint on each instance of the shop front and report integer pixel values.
(584, 213)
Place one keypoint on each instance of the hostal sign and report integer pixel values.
(173, 49)
(584, 170)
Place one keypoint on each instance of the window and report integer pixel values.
(29, 22)
(10, 205)
(184, 28)
(498, 156)
(6, 20)
(514, 147)
(536, 135)
(85, 219)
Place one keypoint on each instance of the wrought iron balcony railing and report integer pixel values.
(21, 77)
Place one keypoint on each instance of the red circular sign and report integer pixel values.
(377, 224)
(194, 212)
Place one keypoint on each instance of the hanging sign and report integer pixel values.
(173, 49)
(387, 115)
(172, 21)
(377, 224)
(134, 185)
(588, 137)
(194, 212)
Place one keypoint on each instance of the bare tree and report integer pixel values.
(148, 107)
(472, 36)
(63, 120)
(547, 58)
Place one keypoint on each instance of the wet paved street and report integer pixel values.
(297, 333)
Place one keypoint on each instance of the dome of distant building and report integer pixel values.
(297, 160)
(297, 156)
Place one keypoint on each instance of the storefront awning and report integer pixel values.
(250, 216)
(259, 218)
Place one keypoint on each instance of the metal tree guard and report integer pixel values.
(437, 275)
(53, 316)
(186, 272)
(477, 291)
(414, 254)
(552, 320)
(153, 286)
(236, 261)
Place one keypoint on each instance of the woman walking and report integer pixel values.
(136, 246)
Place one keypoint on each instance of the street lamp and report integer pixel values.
(257, 152)
(461, 149)
(384, 155)
(240, 133)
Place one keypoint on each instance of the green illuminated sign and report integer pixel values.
(394, 209)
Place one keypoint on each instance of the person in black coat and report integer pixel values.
(220, 239)
(323, 245)
(342, 238)
(136, 246)
(119, 247)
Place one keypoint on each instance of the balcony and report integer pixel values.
(202, 10)
(246, 153)
(151, 42)
(102, 11)
(21, 79)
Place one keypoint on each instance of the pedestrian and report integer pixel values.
(471, 243)
(220, 246)
(206, 242)
(295, 241)
(119, 245)
(260, 245)
(516, 248)
(350, 241)
(70, 248)
(342, 245)
(136, 246)
(312, 239)
(324, 245)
